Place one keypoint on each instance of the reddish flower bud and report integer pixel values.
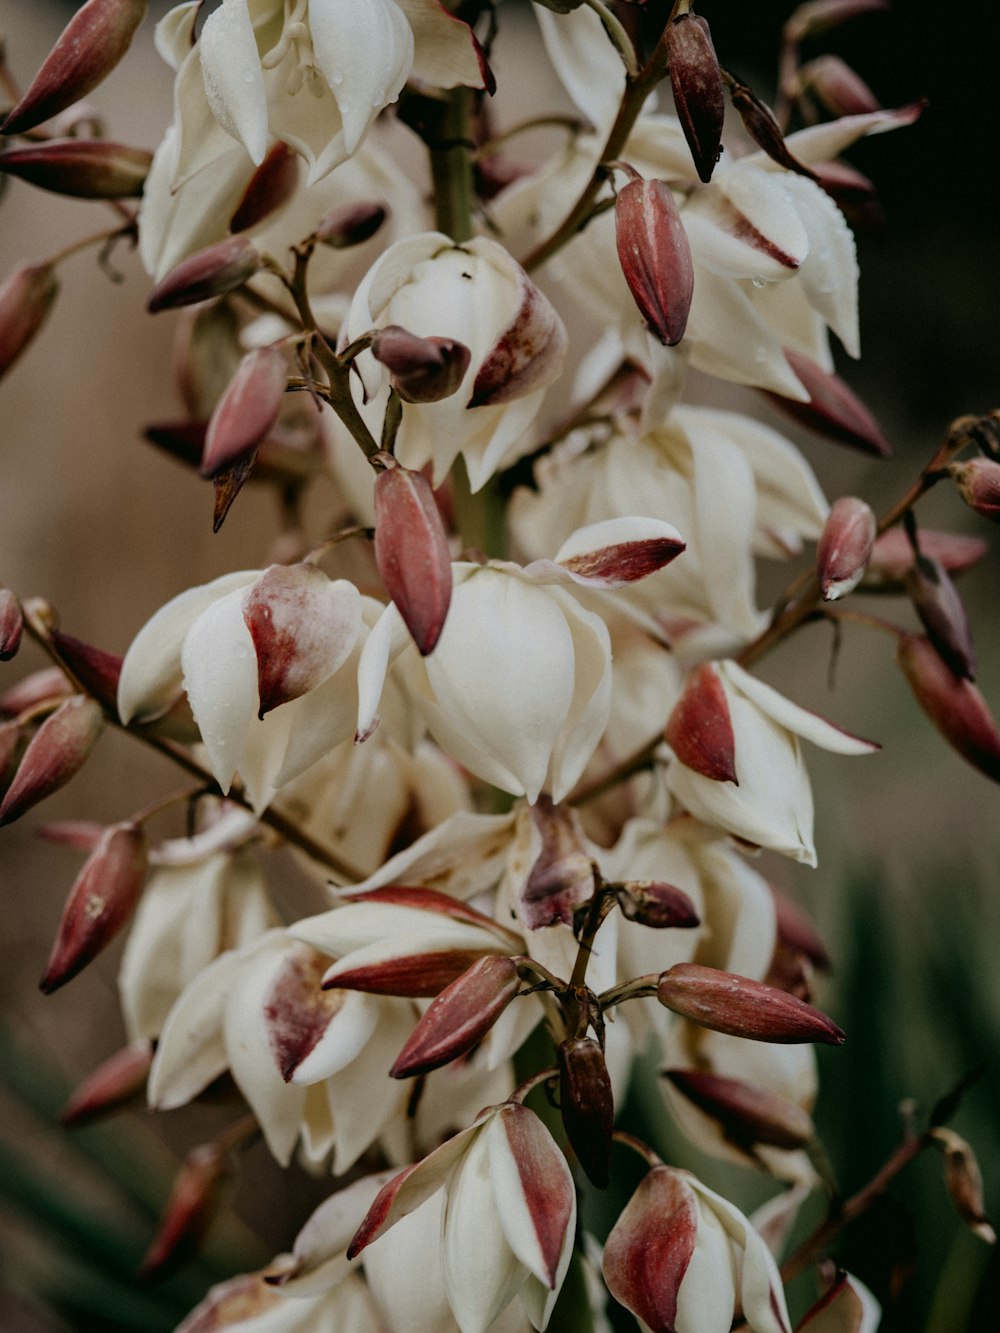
(818, 16)
(247, 411)
(979, 486)
(893, 557)
(943, 615)
(351, 224)
(116, 1081)
(91, 45)
(272, 184)
(99, 904)
(759, 122)
(700, 730)
(41, 686)
(459, 1017)
(193, 1200)
(55, 753)
(655, 256)
(964, 1182)
(742, 1007)
(81, 834)
(659, 906)
(96, 670)
(698, 95)
(796, 931)
(845, 547)
(26, 297)
(748, 1115)
(214, 271)
(421, 370)
(562, 876)
(411, 552)
(833, 409)
(836, 86)
(954, 705)
(81, 168)
(588, 1107)
(11, 624)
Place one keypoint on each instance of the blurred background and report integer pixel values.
(907, 893)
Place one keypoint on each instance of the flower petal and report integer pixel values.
(234, 80)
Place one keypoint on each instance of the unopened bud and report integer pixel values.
(700, 729)
(845, 547)
(351, 224)
(747, 1114)
(421, 370)
(247, 411)
(659, 906)
(40, 687)
(459, 1017)
(214, 271)
(80, 168)
(818, 16)
(11, 624)
(836, 86)
(588, 1107)
(113, 1083)
(953, 704)
(55, 753)
(91, 45)
(833, 409)
(796, 932)
(655, 256)
(698, 93)
(943, 614)
(272, 185)
(741, 1007)
(11, 745)
(99, 904)
(893, 558)
(964, 1182)
(411, 552)
(978, 483)
(97, 671)
(193, 1200)
(26, 297)
(759, 122)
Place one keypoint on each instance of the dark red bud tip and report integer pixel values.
(80, 168)
(55, 753)
(655, 256)
(845, 547)
(459, 1017)
(659, 906)
(421, 370)
(11, 624)
(746, 1114)
(978, 483)
(26, 297)
(96, 670)
(699, 98)
(759, 122)
(588, 1108)
(700, 730)
(214, 271)
(272, 184)
(114, 1082)
(742, 1007)
(833, 409)
(351, 224)
(411, 552)
(954, 705)
(938, 604)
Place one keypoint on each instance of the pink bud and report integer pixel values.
(116, 1081)
(588, 1107)
(459, 1017)
(82, 835)
(838, 88)
(742, 1007)
(247, 411)
(193, 1199)
(979, 486)
(833, 409)
(660, 906)
(892, 557)
(698, 95)
(55, 753)
(655, 256)
(80, 168)
(943, 615)
(99, 904)
(96, 670)
(91, 45)
(421, 370)
(351, 224)
(411, 552)
(845, 547)
(651, 1246)
(11, 624)
(38, 688)
(272, 185)
(700, 730)
(214, 271)
(748, 1115)
(26, 297)
(954, 705)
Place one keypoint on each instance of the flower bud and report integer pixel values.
(893, 558)
(99, 904)
(748, 1115)
(700, 730)
(659, 906)
(55, 753)
(943, 615)
(459, 1017)
(247, 411)
(214, 271)
(697, 83)
(80, 168)
(90, 46)
(193, 1199)
(11, 624)
(96, 670)
(351, 224)
(759, 122)
(818, 16)
(26, 297)
(741, 1007)
(588, 1108)
(845, 547)
(113, 1082)
(421, 370)
(964, 1182)
(954, 705)
(978, 483)
(835, 85)
(11, 745)
(655, 256)
(411, 552)
(40, 687)
(833, 409)
(272, 185)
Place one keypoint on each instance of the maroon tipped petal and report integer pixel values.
(700, 729)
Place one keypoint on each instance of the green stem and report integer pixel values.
(451, 168)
